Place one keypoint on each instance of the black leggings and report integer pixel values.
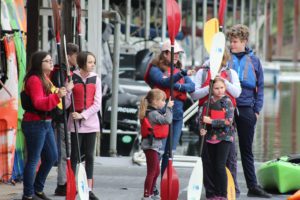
(218, 154)
(87, 147)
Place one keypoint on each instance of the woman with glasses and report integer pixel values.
(38, 99)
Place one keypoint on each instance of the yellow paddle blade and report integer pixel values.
(211, 27)
(230, 186)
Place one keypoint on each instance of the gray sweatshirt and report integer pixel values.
(155, 117)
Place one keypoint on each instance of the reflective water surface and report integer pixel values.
(278, 127)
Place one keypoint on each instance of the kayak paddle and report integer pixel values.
(216, 54)
(170, 183)
(71, 183)
(71, 191)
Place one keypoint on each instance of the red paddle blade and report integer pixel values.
(177, 17)
(71, 183)
(78, 10)
(170, 20)
(56, 19)
(222, 12)
(169, 185)
(173, 19)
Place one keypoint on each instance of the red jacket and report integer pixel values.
(40, 100)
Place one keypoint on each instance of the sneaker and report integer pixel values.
(155, 197)
(155, 191)
(258, 191)
(92, 196)
(146, 198)
(29, 198)
(61, 190)
(41, 195)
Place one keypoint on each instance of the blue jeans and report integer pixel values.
(40, 144)
(177, 126)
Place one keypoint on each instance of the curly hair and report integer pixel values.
(238, 31)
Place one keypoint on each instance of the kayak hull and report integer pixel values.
(280, 175)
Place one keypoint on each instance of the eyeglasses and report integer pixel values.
(48, 61)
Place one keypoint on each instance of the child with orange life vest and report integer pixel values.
(154, 128)
(87, 99)
(233, 90)
(220, 134)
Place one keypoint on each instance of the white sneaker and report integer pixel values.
(147, 198)
(155, 197)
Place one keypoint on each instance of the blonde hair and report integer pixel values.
(226, 58)
(154, 94)
(239, 31)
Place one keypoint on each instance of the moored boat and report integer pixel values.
(282, 174)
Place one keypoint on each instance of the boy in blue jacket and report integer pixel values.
(249, 103)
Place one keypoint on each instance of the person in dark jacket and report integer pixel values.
(249, 103)
(58, 120)
(151, 110)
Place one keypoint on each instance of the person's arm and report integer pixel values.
(199, 92)
(259, 97)
(233, 87)
(35, 90)
(159, 118)
(188, 86)
(157, 77)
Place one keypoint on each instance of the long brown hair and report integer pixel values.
(163, 63)
(36, 68)
(154, 94)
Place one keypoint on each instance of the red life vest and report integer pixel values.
(177, 95)
(215, 112)
(159, 131)
(224, 74)
(83, 92)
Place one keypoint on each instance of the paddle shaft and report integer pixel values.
(172, 96)
(72, 98)
(206, 113)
